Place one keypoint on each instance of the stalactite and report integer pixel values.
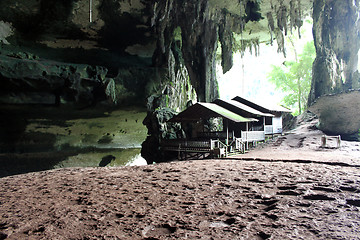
(271, 5)
(199, 40)
(280, 41)
(271, 25)
(282, 18)
(160, 20)
(226, 40)
(288, 16)
(252, 45)
(298, 20)
(90, 11)
(292, 15)
(204, 24)
(295, 15)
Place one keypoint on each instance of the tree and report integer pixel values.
(294, 78)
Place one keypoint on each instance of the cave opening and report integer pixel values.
(254, 61)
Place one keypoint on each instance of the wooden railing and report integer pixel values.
(218, 148)
(186, 145)
(237, 145)
(215, 135)
(214, 144)
(251, 136)
(215, 147)
(269, 129)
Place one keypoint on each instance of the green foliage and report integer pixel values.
(294, 78)
(177, 34)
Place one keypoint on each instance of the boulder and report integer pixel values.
(158, 130)
(338, 113)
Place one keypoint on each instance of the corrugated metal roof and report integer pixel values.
(207, 110)
(242, 107)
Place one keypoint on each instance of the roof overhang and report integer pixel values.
(208, 110)
(265, 108)
(235, 105)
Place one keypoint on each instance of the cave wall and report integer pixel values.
(124, 37)
(198, 41)
(179, 36)
(337, 41)
(117, 27)
(58, 34)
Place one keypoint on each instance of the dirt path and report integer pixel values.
(304, 145)
(279, 197)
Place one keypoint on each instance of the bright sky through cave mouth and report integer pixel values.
(248, 76)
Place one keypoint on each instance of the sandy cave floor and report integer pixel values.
(288, 188)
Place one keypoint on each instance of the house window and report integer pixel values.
(268, 121)
(215, 124)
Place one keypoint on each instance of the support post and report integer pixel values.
(247, 130)
(264, 123)
(90, 12)
(227, 132)
(227, 137)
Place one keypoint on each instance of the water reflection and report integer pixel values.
(14, 163)
(120, 157)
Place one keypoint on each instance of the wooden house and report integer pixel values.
(273, 124)
(249, 131)
(240, 123)
(200, 138)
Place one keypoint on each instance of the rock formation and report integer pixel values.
(180, 36)
(137, 51)
(158, 130)
(62, 31)
(45, 81)
(337, 114)
(335, 70)
(337, 40)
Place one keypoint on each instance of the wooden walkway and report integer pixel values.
(214, 148)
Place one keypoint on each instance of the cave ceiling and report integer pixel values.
(125, 33)
(260, 29)
(124, 25)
